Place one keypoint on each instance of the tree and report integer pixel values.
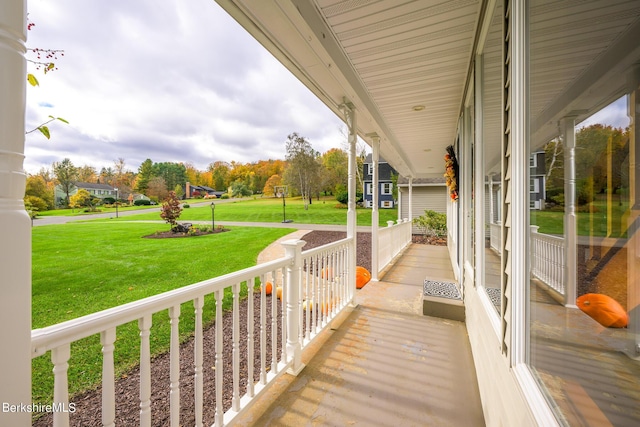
(302, 165)
(271, 184)
(39, 189)
(66, 174)
(171, 209)
(173, 173)
(145, 173)
(240, 189)
(87, 173)
(335, 161)
(82, 199)
(220, 175)
(157, 189)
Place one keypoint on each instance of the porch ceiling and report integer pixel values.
(388, 59)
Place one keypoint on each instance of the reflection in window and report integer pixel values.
(583, 245)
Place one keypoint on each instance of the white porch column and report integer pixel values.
(375, 214)
(410, 215)
(15, 245)
(633, 231)
(350, 119)
(570, 223)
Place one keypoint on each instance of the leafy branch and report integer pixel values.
(43, 127)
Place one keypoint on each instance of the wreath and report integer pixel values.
(451, 172)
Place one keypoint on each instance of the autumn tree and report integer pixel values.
(39, 192)
(302, 166)
(271, 184)
(220, 174)
(87, 173)
(171, 209)
(66, 175)
(82, 199)
(157, 189)
(335, 161)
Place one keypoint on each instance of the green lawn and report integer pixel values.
(589, 224)
(270, 210)
(82, 268)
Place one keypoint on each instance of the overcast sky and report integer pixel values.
(169, 80)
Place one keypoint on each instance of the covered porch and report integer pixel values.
(383, 362)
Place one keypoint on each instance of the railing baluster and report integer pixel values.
(250, 343)
(285, 284)
(263, 329)
(274, 326)
(315, 294)
(174, 367)
(219, 416)
(198, 305)
(144, 325)
(60, 358)
(235, 348)
(107, 338)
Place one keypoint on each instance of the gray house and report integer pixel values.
(385, 183)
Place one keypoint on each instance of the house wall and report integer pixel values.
(424, 198)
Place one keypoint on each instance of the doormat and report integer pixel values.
(433, 288)
(495, 295)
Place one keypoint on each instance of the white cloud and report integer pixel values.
(170, 81)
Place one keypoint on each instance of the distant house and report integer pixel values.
(193, 191)
(385, 183)
(427, 194)
(537, 180)
(98, 190)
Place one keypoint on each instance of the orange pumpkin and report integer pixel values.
(268, 288)
(362, 277)
(604, 310)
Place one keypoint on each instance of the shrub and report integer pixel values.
(142, 202)
(186, 205)
(224, 196)
(432, 223)
(108, 200)
(35, 202)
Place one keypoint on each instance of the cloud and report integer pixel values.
(170, 81)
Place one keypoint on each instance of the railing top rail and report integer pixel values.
(547, 237)
(326, 247)
(53, 336)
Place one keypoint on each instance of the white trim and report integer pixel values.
(534, 397)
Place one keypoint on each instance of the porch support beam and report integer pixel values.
(410, 215)
(350, 119)
(15, 245)
(570, 220)
(375, 214)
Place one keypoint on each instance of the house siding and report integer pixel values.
(424, 198)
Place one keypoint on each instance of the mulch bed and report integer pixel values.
(89, 404)
(173, 234)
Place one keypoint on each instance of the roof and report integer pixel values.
(93, 186)
(369, 159)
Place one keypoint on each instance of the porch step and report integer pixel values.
(442, 299)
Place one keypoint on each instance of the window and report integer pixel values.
(585, 251)
(534, 185)
(533, 161)
(368, 188)
(387, 204)
(386, 188)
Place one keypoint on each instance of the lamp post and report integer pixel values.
(213, 222)
(116, 202)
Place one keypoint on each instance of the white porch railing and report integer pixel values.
(316, 279)
(392, 240)
(547, 259)
(495, 237)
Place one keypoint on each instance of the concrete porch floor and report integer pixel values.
(384, 363)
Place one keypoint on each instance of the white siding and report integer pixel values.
(424, 198)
